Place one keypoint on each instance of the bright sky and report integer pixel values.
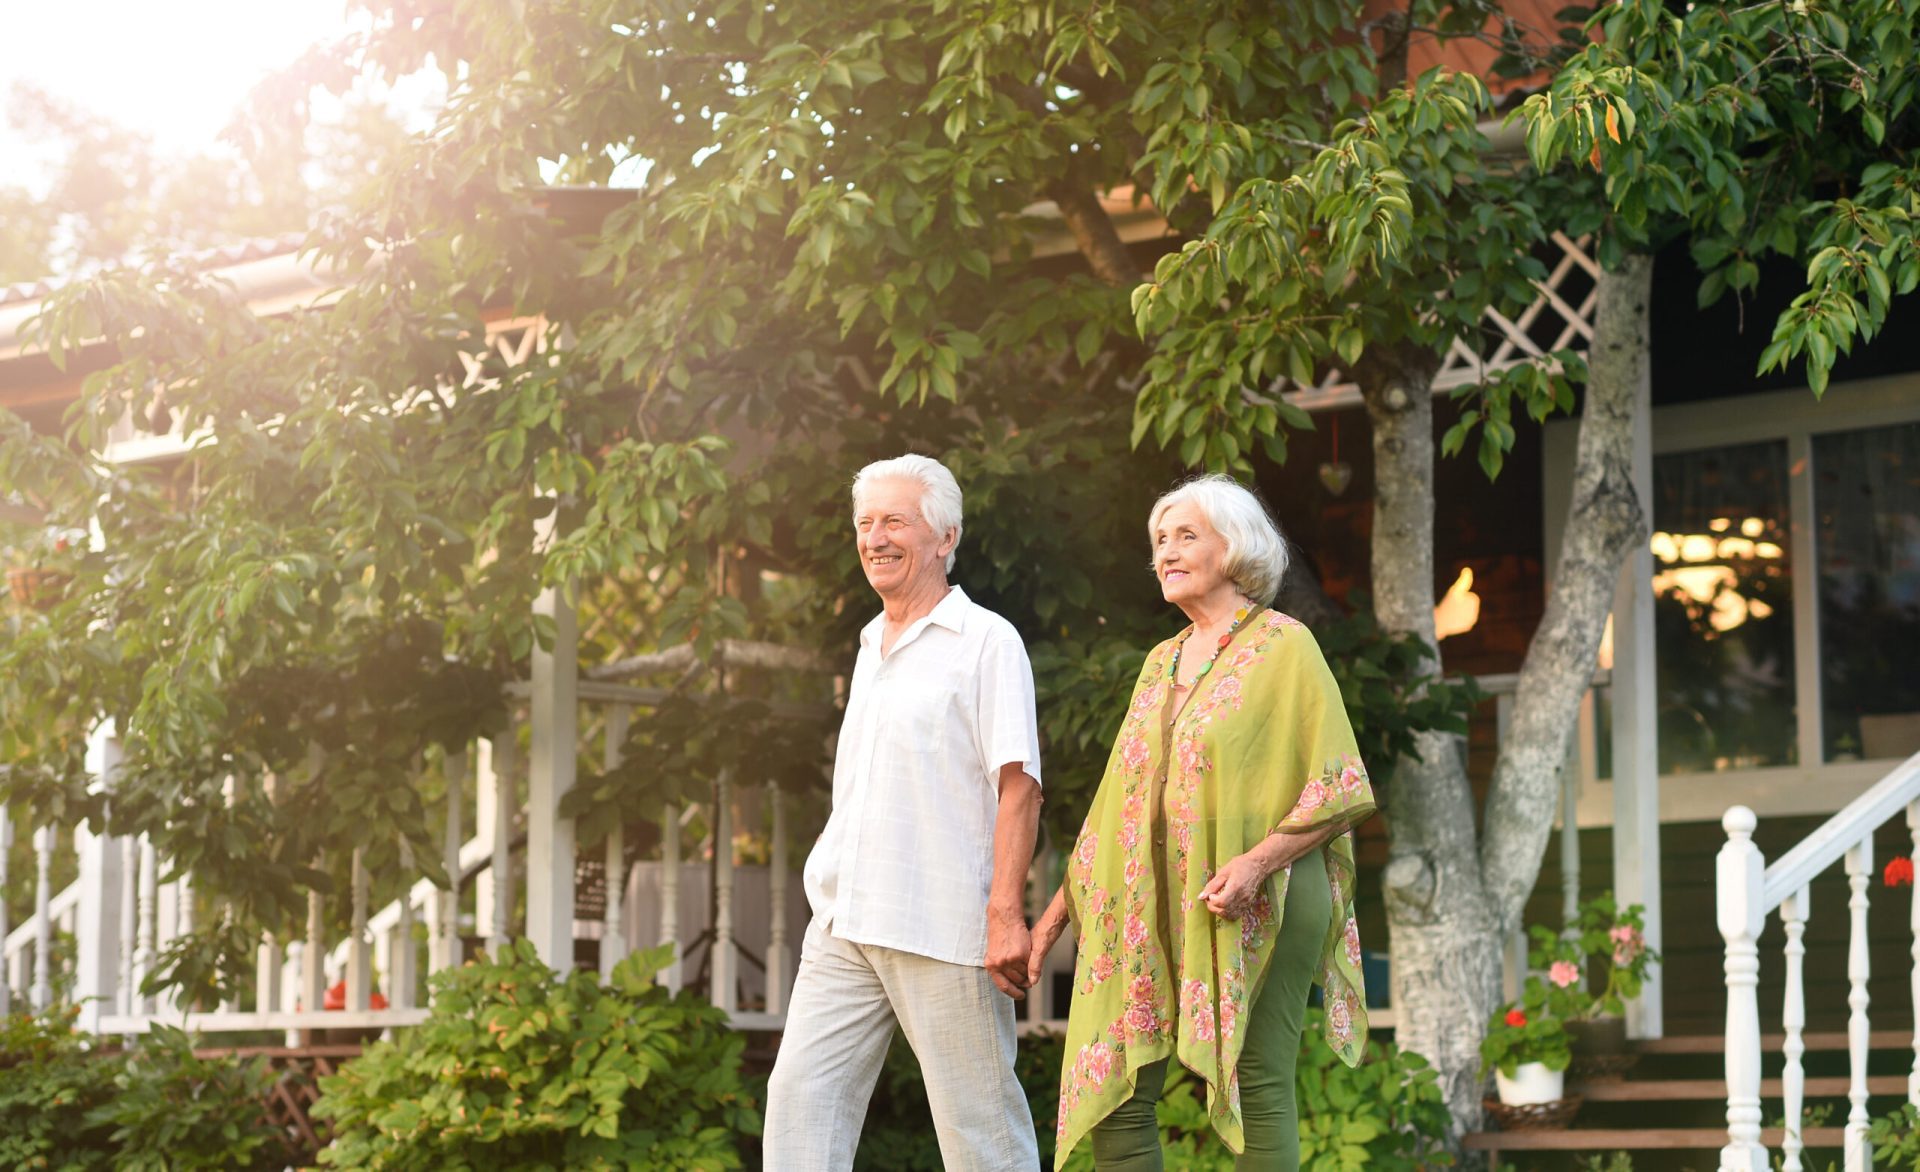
(176, 70)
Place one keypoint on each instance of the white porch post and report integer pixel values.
(613, 940)
(551, 769)
(102, 868)
(721, 990)
(446, 919)
(1636, 759)
(778, 951)
(359, 962)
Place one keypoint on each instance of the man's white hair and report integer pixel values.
(939, 491)
(1256, 558)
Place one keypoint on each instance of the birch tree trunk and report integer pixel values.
(1452, 894)
(1604, 519)
(1446, 970)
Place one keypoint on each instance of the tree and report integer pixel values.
(831, 254)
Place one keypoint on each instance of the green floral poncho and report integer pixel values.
(1263, 745)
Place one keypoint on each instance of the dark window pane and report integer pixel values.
(1723, 614)
(1867, 495)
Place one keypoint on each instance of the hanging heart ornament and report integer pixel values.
(1336, 475)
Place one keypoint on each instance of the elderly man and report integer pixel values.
(916, 882)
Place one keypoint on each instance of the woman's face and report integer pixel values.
(1189, 555)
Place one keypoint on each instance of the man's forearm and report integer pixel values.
(1014, 831)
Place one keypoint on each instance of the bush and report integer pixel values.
(518, 1069)
(1387, 1113)
(155, 1108)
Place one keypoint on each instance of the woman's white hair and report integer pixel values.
(939, 491)
(1256, 552)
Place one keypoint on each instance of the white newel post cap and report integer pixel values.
(1741, 871)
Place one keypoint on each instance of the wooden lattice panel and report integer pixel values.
(1559, 318)
(296, 1088)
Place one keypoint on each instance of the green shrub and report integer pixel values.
(518, 1069)
(1387, 1113)
(66, 1105)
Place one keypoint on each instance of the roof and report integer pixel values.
(238, 252)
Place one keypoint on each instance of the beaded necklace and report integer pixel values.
(1173, 669)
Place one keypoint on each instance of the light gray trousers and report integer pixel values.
(840, 1021)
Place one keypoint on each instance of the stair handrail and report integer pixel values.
(1747, 892)
(1830, 843)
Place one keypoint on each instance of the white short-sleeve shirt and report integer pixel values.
(906, 859)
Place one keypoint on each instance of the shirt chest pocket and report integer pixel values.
(924, 716)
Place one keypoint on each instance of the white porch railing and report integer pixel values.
(1749, 891)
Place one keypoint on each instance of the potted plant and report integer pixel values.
(1604, 939)
(1526, 1048)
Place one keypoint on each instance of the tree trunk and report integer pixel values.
(1604, 519)
(1445, 971)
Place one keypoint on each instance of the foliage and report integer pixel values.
(66, 1105)
(1525, 1031)
(1757, 130)
(1389, 692)
(174, 1112)
(516, 1068)
(1896, 1139)
(1386, 1113)
(1602, 936)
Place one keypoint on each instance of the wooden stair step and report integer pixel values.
(1648, 1090)
(1717, 1044)
(1590, 1139)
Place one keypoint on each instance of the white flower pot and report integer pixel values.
(1531, 1083)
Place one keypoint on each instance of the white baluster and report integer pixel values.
(1794, 911)
(721, 990)
(313, 954)
(506, 800)
(1858, 1155)
(6, 841)
(1913, 1077)
(446, 921)
(43, 925)
(6, 978)
(552, 766)
(613, 941)
(149, 915)
(777, 947)
(670, 894)
(359, 971)
(1739, 869)
(402, 973)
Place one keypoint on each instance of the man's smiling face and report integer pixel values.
(899, 551)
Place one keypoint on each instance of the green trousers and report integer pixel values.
(1128, 1140)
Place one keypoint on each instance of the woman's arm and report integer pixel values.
(1046, 930)
(1234, 886)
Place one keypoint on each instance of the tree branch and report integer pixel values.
(1604, 519)
(1094, 233)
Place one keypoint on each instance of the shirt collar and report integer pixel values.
(950, 612)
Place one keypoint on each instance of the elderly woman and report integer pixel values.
(1212, 883)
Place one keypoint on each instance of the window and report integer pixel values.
(1867, 501)
(1723, 614)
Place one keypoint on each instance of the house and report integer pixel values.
(1755, 660)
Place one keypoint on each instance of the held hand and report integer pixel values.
(1234, 887)
(1008, 947)
(1045, 934)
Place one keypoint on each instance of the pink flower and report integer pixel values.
(1136, 934)
(1132, 871)
(1352, 774)
(1134, 753)
(1339, 1018)
(1147, 700)
(1229, 1017)
(1202, 1024)
(1353, 942)
(1097, 1061)
(1102, 967)
(1628, 944)
(1089, 844)
(1563, 973)
(1141, 1019)
(1312, 798)
(1129, 835)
